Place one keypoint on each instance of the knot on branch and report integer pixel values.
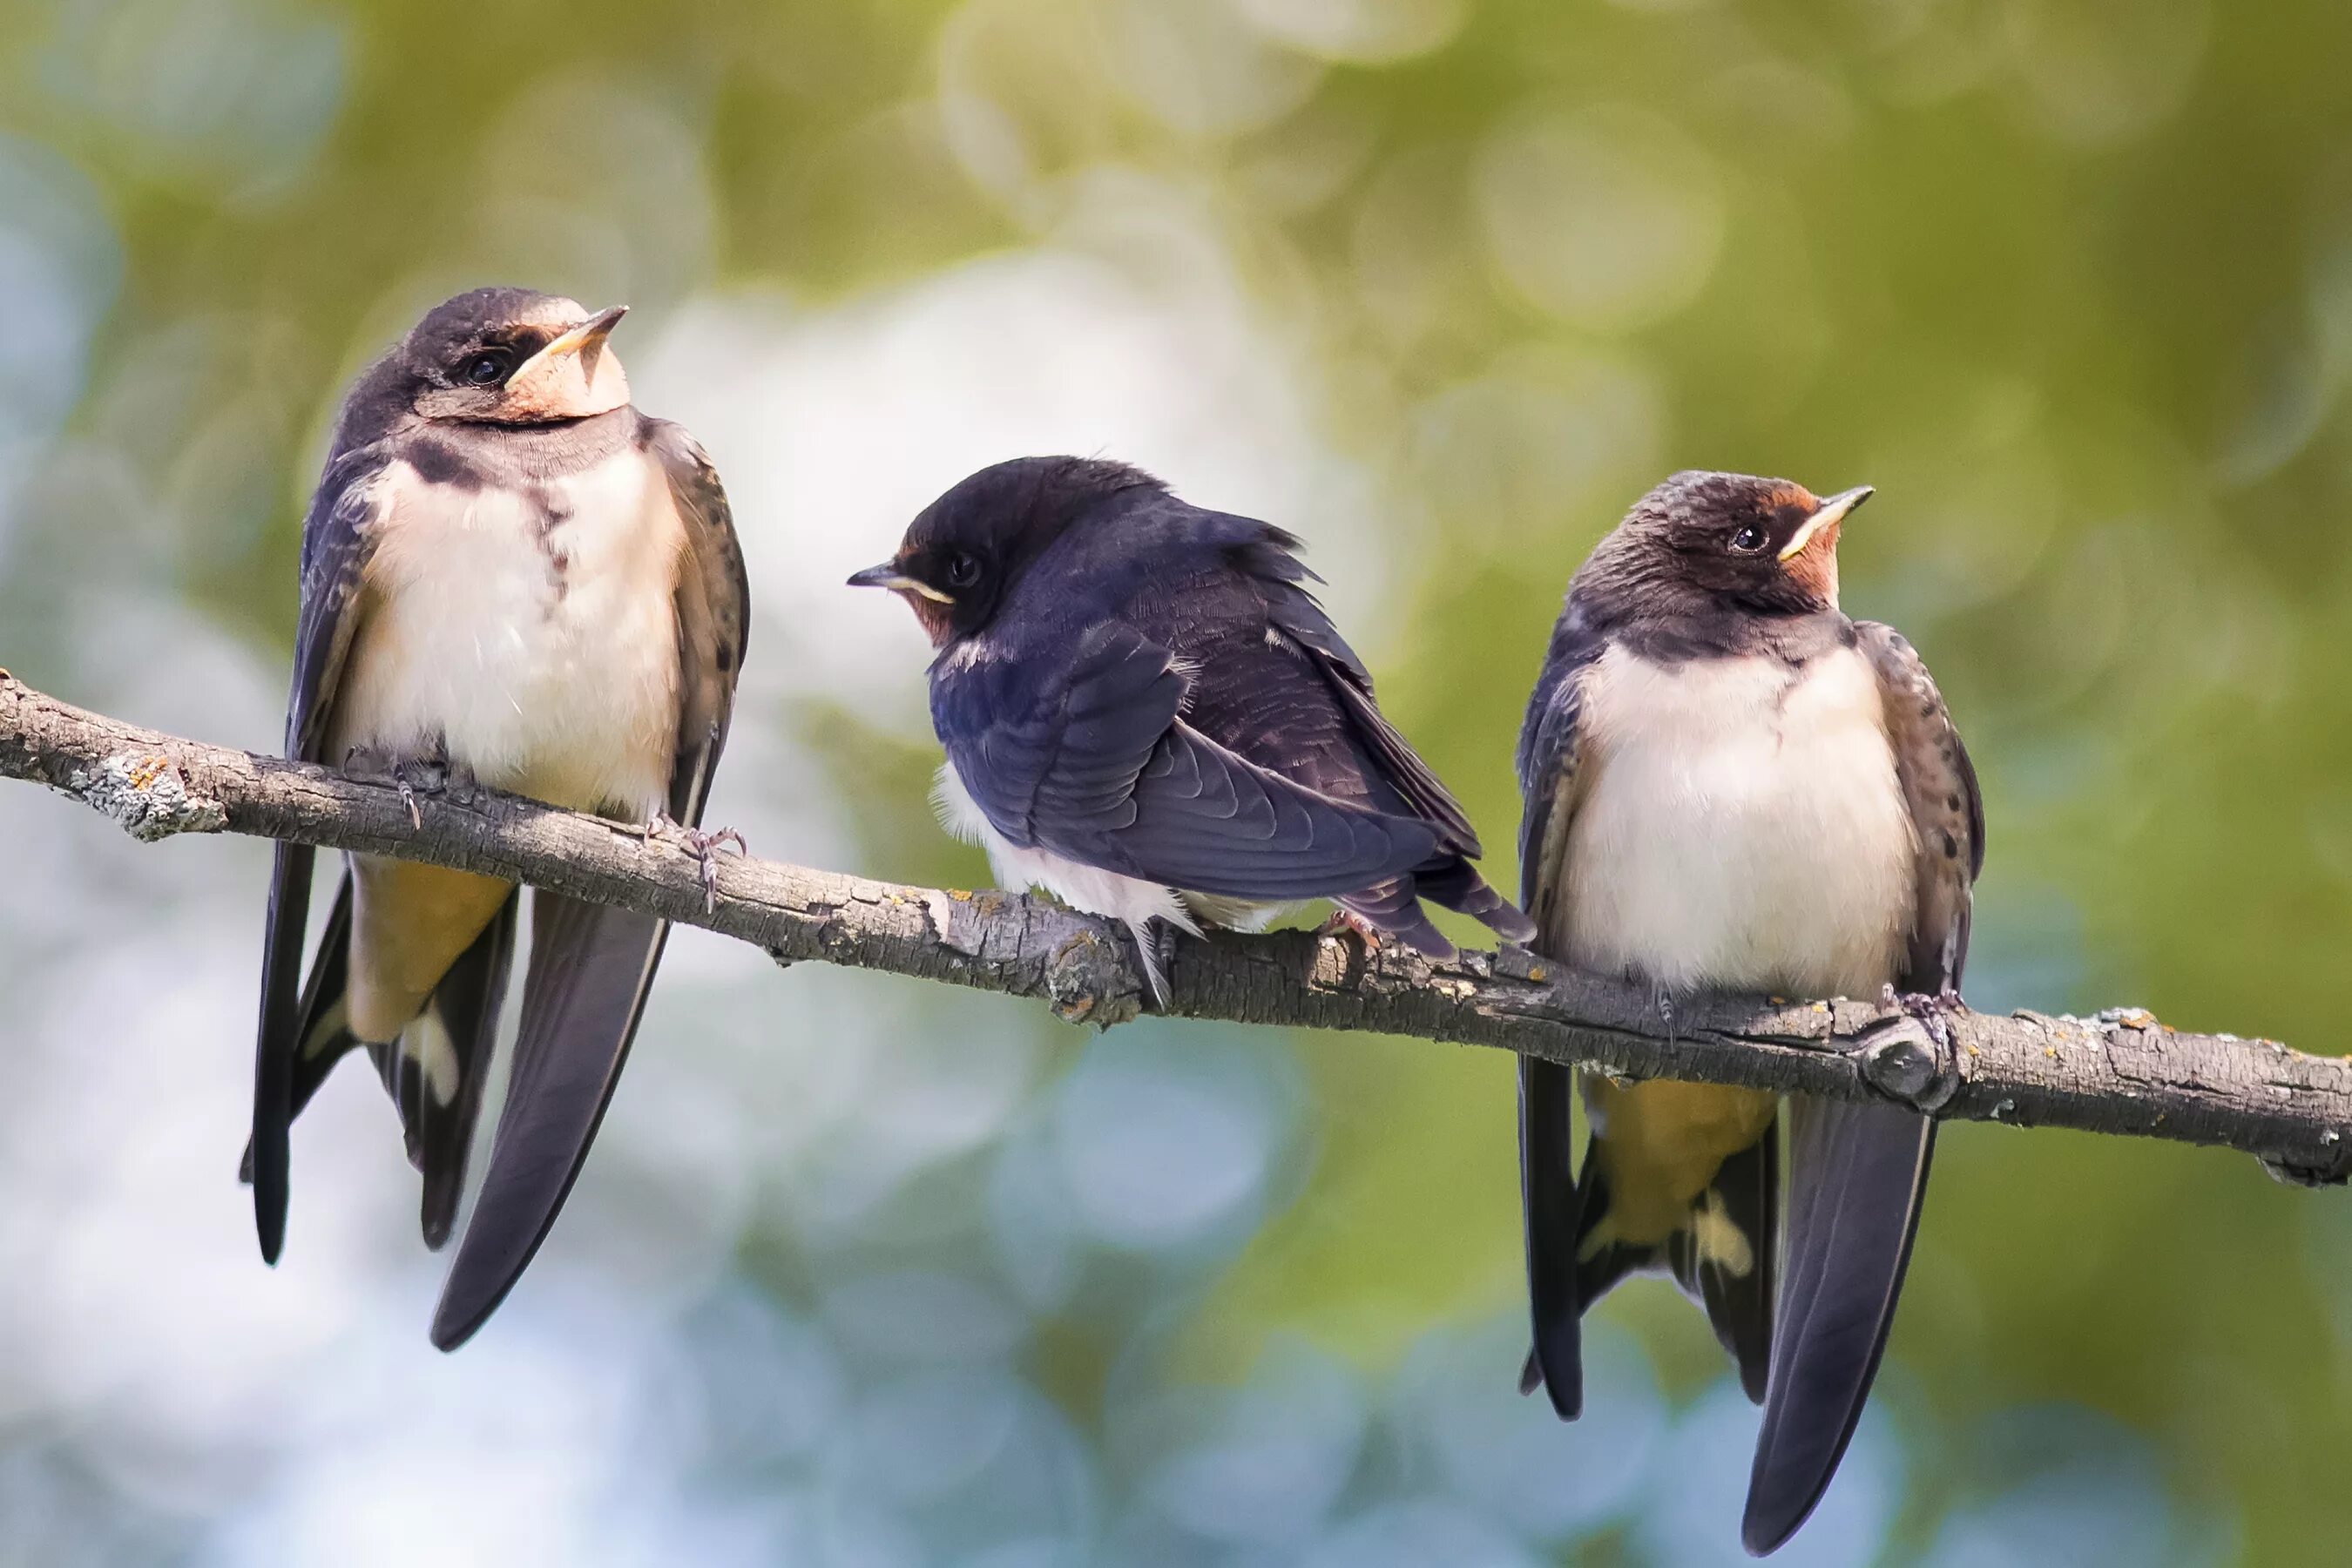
(1901, 1061)
(2332, 1169)
(147, 794)
(2121, 1072)
(1089, 981)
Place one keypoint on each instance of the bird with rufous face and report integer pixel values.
(1728, 784)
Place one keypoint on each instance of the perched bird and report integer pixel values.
(509, 575)
(1728, 784)
(1146, 712)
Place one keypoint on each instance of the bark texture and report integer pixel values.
(2120, 1071)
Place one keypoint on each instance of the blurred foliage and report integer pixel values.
(2069, 280)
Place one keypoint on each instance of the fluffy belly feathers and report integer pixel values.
(1741, 827)
(532, 633)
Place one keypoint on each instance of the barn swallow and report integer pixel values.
(1146, 712)
(511, 576)
(1729, 785)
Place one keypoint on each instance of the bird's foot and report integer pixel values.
(1662, 1000)
(432, 774)
(1933, 1010)
(1155, 948)
(452, 780)
(1344, 918)
(703, 845)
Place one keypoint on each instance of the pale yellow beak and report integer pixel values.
(1829, 514)
(585, 342)
(571, 377)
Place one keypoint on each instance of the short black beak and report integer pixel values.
(887, 576)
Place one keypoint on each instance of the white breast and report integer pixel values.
(1741, 826)
(535, 633)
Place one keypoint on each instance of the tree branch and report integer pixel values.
(2121, 1071)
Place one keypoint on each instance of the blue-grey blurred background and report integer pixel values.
(871, 1274)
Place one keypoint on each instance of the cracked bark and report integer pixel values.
(2122, 1071)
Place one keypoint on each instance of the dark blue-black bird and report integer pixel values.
(1728, 784)
(509, 575)
(1146, 712)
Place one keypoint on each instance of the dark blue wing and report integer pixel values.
(1282, 578)
(1549, 752)
(1087, 756)
(336, 537)
(1548, 757)
(1858, 1170)
(592, 967)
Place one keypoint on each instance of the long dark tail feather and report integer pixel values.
(277, 1037)
(1456, 885)
(465, 1005)
(1739, 1302)
(323, 1040)
(465, 1009)
(1550, 1202)
(1393, 908)
(319, 1038)
(1857, 1173)
(590, 969)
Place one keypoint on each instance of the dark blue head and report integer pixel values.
(964, 551)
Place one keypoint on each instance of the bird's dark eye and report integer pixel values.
(963, 570)
(1749, 539)
(488, 367)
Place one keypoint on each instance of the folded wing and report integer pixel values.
(1549, 751)
(336, 536)
(1090, 758)
(1859, 1171)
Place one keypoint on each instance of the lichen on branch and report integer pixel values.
(2121, 1071)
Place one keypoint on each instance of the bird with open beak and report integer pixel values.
(509, 576)
(1146, 712)
(1729, 785)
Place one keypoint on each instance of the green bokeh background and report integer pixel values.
(2069, 280)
